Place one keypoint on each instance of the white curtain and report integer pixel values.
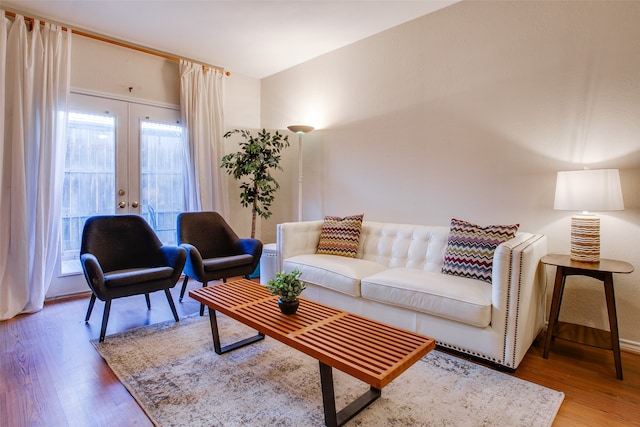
(201, 101)
(35, 80)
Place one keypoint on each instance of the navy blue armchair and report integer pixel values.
(122, 256)
(214, 250)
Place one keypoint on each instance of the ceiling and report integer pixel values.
(256, 38)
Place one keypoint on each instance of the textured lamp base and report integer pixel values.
(585, 238)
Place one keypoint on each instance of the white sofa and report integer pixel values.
(396, 279)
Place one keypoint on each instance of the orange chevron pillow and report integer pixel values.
(340, 236)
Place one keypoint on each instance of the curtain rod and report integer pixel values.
(120, 43)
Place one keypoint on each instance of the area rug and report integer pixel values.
(176, 377)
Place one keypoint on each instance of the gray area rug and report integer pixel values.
(176, 377)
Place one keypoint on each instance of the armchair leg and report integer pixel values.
(172, 305)
(146, 296)
(204, 285)
(184, 287)
(92, 301)
(105, 319)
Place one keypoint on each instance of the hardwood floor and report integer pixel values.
(50, 374)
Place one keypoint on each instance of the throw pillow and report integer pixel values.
(470, 248)
(340, 236)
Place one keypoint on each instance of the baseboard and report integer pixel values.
(630, 346)
(625, 345)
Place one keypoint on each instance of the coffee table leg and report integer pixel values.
(216, 336)
(332, 418)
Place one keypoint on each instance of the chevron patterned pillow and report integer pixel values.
(340, 236)
(470, 248)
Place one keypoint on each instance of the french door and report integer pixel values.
(122, 158)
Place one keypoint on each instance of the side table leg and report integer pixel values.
(613, 323)
(558, 287)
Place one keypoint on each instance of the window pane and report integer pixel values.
(89, 180)
(161, 180)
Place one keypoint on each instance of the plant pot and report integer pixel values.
(288, 307)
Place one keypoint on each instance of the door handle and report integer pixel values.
(134, 204)
(122, 205)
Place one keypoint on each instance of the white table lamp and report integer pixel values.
(589, 190)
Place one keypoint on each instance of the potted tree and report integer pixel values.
(252, 165)
(288, 287)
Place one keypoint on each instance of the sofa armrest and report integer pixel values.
(175, 257)
(93, 274)
(252, 247)
(297, 238)
(518, 293)
(194, 265)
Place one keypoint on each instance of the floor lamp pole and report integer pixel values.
(300, 130)
(299, 177)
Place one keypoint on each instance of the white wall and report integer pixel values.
(242, 111)
(105, 68)
(470, 112)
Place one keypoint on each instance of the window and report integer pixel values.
(121, 158)
(162, 177)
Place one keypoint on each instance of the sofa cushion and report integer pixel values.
(470, 248)
(340, 236)
(334, 272)
(461, 299)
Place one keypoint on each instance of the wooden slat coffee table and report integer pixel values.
(365, 349)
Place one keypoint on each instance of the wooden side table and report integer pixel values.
(602, 270)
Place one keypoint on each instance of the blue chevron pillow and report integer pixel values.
(470, 248)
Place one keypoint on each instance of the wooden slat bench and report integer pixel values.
(365, 349)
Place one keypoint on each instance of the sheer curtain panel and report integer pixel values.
(34, 77)
(201, 101)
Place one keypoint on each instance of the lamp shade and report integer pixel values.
(300, 129)
(589, 190)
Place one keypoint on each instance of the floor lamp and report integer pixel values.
(300, 130)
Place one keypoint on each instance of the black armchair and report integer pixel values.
(122, 256)
(214, 250)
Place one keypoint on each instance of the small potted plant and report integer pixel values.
(288, 287)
